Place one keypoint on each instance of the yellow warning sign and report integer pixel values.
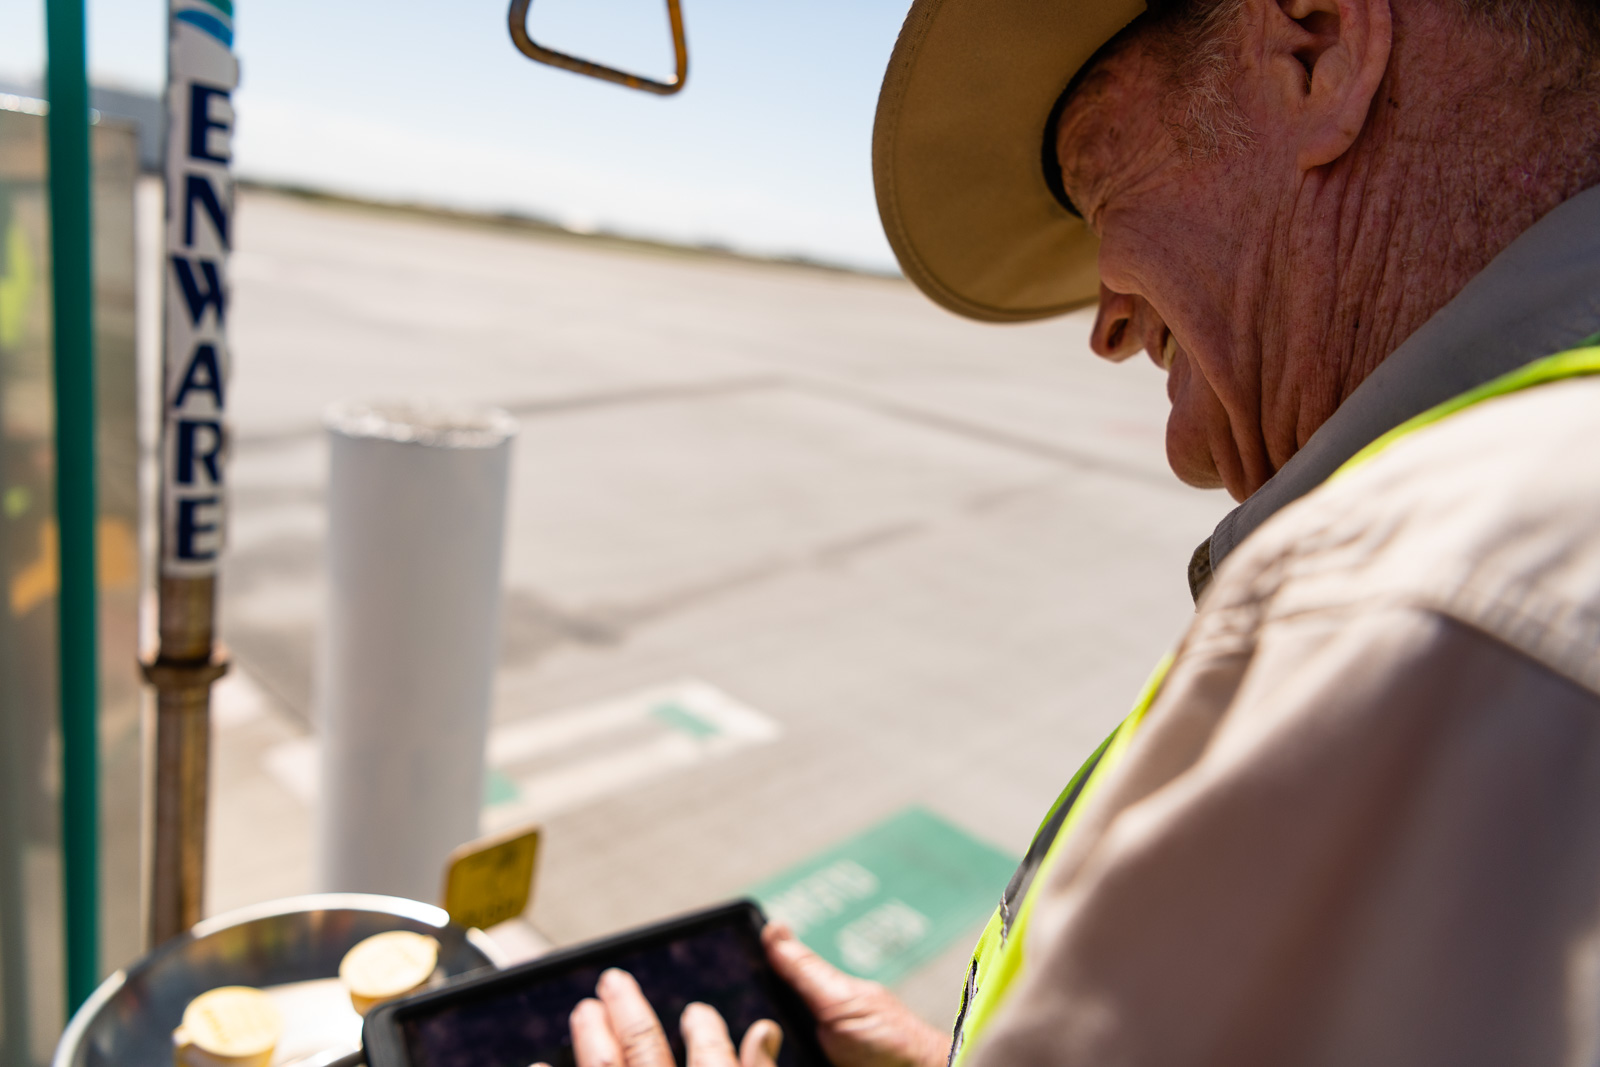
(490, 880)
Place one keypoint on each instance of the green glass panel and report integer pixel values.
(32, 1008)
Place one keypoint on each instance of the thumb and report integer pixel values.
(819, 983)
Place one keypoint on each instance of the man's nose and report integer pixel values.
(1114, 337)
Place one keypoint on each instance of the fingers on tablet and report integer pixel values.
(593, 1043)
(633, 1021)
(761, 1044)
(705, 1036)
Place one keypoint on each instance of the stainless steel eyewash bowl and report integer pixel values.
(129, 1020)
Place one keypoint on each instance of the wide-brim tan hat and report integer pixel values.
(956, 153)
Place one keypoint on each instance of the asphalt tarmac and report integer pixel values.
(930, 562)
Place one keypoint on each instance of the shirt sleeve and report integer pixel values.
(1369, 839)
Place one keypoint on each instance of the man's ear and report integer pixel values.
(1329, 57)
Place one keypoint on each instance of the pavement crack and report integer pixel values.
(828, 555)
(533, 408)
(873, 540)
(641, 613)
(865, 400)
(669, 392)
(531, 625)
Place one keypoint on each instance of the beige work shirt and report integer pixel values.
(1361, 823)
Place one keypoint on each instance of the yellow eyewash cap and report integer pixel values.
(387, 966)
(231, 1026)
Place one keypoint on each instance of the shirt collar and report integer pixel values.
(1539, 296)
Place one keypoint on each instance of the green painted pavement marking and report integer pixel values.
(684, 721)
(886, 901)
(498, 789)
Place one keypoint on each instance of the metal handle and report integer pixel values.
(518, 19)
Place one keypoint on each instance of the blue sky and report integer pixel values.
(767, 150)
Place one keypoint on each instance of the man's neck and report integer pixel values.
(1496, 156)
(1536, 299)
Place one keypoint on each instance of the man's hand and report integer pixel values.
(620, 1029)
(859, 1023)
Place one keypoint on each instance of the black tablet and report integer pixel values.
(518, 1017)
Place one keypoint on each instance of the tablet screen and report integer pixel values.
(514, 1025)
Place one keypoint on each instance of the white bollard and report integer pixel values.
(416, 521)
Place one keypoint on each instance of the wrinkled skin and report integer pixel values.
(1286, 266)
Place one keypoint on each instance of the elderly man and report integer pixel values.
(1357, 820)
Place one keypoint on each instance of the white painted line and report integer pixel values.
(821, 896)
(693, 722)
(297, 766)
(703, 723)
(571, 787)
(882, 933)
(518, 940)
(736, 721)
(237, 700)
(519, 742)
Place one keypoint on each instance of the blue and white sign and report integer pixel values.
(202, 75)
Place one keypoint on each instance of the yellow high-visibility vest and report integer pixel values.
(1000, 956)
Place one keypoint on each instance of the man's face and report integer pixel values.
(1182, 272)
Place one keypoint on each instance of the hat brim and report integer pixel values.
(956, 153)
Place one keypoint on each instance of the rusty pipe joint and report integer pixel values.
(181, 786)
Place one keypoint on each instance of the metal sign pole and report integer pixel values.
(201, 76)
